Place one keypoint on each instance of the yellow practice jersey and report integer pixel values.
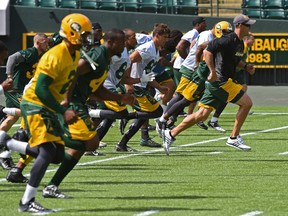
(58, 64)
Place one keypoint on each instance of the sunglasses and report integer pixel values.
(247, 25)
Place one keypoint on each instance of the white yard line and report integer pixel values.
(146, 213)
(161, 150)
(252, 213)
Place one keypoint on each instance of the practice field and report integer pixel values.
(202, 176)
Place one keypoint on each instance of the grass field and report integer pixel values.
(202, 176)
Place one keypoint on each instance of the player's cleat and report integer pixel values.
(202, 125)
(93, 153)
(119, 148)
(149, 143)
(51, 191)
(238, 143)
(102, 144)
(4, 137)
(216, 126)
(160, 126)
(170, 124)
(15, 176)
(6, 163)
(122, 125)
(33, 207)
(168, 140)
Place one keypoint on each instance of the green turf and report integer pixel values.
(202, 176)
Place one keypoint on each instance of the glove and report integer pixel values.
(147, 77)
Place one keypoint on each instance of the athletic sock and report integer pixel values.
(214, 119)
(30, 192)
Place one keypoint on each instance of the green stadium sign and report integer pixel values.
(269, 50)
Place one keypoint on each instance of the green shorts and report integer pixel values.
(145, 102)
(217, 93)
(42, 125)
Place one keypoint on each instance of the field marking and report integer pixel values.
(216, 152)
(258, 113)
(252, 213)
(161, 150)
(146, 213)
(283, 153)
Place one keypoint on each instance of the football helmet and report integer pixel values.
(221, 28)
(77, 29)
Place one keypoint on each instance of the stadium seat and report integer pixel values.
(189, 7)
(33, 3)
(68, 3)
(109, 5)
(253, 13)
(285, 4)
(13, 2)
(272, 4)
(275, 14)
(48, 3)
(251, 3)
(152, 6)
(149, 6)
(89, 4)
(165, 6)
(130, 5)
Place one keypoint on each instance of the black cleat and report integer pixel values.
(51, 191)
(202, 125)
(33, 207)
(150, 143)
(93, 153)
(6, 163)
(119, 148)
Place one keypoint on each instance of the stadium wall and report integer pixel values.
(31, 19)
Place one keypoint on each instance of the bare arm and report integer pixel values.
(104, 94)
(247, 66)
(209, 59)
(199, 52)
(182, 47)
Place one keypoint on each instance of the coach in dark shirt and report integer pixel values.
(222, 56)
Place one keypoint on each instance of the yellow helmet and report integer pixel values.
(77, 29)
(221, 28)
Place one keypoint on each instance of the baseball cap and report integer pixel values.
(243, 19)
(198, 20)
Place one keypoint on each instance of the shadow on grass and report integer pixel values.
(153, 208)
(124, 183)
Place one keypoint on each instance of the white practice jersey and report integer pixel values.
(142, 38)
(150, 57)
(204, 36)
(117, 69)
(189, 36)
